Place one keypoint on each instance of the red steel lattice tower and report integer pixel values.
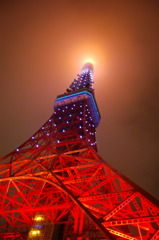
(56, 186)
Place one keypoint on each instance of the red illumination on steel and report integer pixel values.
(56, 182)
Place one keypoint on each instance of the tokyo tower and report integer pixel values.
(56, 186)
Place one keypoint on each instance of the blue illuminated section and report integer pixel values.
(66, 99)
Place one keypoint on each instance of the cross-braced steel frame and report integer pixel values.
(56, 186)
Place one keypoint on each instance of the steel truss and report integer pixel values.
(57, 183)
(59, 186)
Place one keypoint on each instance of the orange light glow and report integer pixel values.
(38, 218)
(89, 60)
(34, 233)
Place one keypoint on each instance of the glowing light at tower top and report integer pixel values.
(88, 68)
(84, 79)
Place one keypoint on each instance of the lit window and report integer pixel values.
(38, 218)
(34, 233)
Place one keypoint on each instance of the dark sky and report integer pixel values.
(43, 47)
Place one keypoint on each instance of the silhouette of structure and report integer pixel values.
(56, 186)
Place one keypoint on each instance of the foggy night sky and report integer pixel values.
(43, 47)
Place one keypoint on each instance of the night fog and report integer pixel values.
(43, 48)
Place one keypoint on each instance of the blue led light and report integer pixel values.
(38, 226)
(76, 94)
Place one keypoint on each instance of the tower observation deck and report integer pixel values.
(56, 186)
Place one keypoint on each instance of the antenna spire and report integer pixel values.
(84, 79)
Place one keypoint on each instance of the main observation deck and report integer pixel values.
(80, 95)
